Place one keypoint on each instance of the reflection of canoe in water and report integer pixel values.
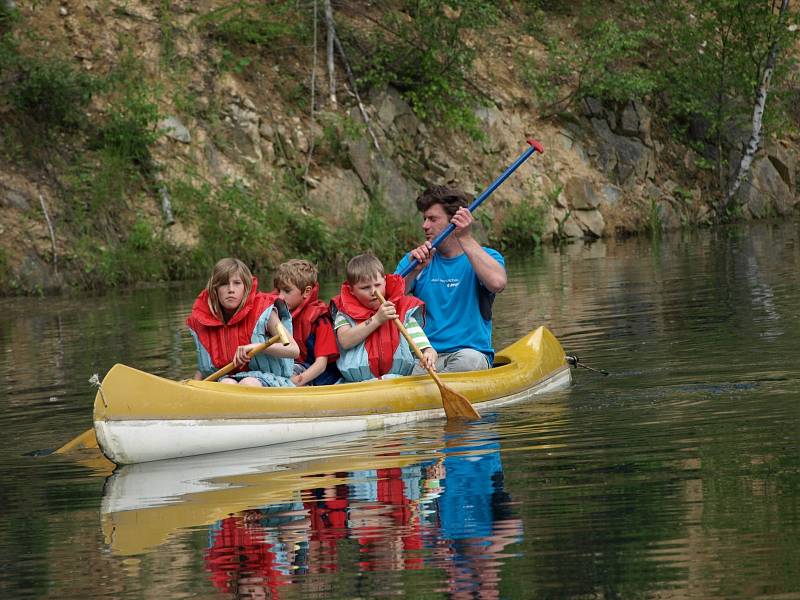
(139, 417)
(144, 504)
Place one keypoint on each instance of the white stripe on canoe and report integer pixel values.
(149, 440)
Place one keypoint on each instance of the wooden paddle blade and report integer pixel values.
(457, 406)
(85, 440)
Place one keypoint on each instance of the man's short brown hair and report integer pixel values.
(297, 272)
(451, 199)
(364, 267)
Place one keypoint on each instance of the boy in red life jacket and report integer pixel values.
(296, 284)
(229, 318)
(370, 344)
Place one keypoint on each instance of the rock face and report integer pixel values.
(340, 195)
(766, 193)
(382, 177)
(624, 149)
(602, 171)
(175, 129)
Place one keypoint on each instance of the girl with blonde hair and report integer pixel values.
(229, 318)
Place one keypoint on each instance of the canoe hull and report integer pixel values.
(140, 417)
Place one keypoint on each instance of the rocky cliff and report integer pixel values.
(607, 168)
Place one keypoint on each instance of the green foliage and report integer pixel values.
(7, 14)
(169, 32)
(337, 131)
(263, 229)
(384, 234)
(96, 189)
(235, 222)
(560, 235)
(600, 66)
(683, 195)
(654, 222)
(713, 67)
(422, 51)
(523, 225)
(130, 126)
(704, 164)
(257, 23)
(245, 26)
(51, 93)
(142, 255)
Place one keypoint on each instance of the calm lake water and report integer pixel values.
(677, 476)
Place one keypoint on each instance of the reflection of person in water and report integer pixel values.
(254, 553)
(327, 509)
(385, 520)
(453, 513)
(240, 560)
(474, 518)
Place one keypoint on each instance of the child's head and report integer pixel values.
(294, 281)
(228, 287)
(365, 274)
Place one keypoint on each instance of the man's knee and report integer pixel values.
(466, 359)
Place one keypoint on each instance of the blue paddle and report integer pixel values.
(535, 147)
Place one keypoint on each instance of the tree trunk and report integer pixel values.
(331, 68)
(743, 170)
(352, 80)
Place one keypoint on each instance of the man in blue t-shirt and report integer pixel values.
(457, 281)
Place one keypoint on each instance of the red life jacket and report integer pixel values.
(381, 343)
(303, 319)
(221, 339)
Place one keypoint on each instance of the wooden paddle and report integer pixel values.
(456, 406)
(282, 336)
(88, 439)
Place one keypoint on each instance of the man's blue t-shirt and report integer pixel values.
(453, 294)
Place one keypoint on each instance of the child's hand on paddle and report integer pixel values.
(386, 312)
(241, 358)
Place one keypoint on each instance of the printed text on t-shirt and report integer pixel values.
(451, 282)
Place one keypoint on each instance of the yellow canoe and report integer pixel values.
(139, 417)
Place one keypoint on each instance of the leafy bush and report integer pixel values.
(130, 128)
(142, 255)
(600, 66)
(96, 189)
(130, 125)
(51, 92)
(382, 233)
(523, 225)
(258, 23)
(422, 51)
(263, 229)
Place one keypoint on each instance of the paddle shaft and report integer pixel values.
(401, 328)
(455, 405)
(534, 147)
(282, 336)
